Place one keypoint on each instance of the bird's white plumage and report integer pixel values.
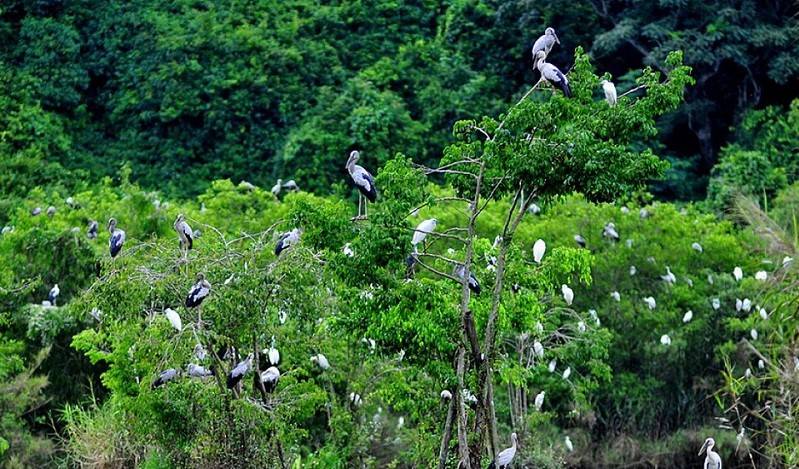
(712, 459)
(539, 249)
(276, 188)
(669, 277)
(761, 276)
(738, 274)
(552, 365)
(539, 400)
(610, 231)
(650, 302)
(446, 395)
(665, 339)
(567, 372)
(505, 456)
(321, 361)
(568, 294)
(568, 442)
(610, 92)
(544, 44)
(271, 375)
(174, 319)
(425, 227)
(697, 247)
(538, 349)
(688, 316)
(615, 295)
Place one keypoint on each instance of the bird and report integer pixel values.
(538, 349)
(579, 240)
(96, 314)
(539, 400)
(269, 378)
(174, 319)
(117, 238)
(534, 209)
(544, 44)
(321, 361)
(568, 294)
(610, 232)
(199, 291)
(356, 400)
(610, 92)
(553, 75)
(539, 248)
(738, 274)
(92, 231)
(633, 270)
(422, 230)
(697, 247)
(761, 364)
(643, 213)
(70, 201)
(198, 371)
(446, 395)
(567, 372)
(474, 285)
(616, 295)
(753, 333)
(568, 442)
(7, 229)
(688, 316)
(53, 295)
(761, 276)
(553, 364)
(273, 355)
(36, 211)
(287, 240)
(716, 303)
(665, 339)
(185, 234)
(347, 250)
(50, 211)
(200, 352)
(239, 371)
(290, 185)
(786, 261)
(650, 301)
(505, 457)
(165, 377)
(276, 188)
(592, 313)
(669, 277)
(712, 459)
(363, 181)
(738, 304)
(469, 398)
(746, 305)
(581, 326)
(763, 314)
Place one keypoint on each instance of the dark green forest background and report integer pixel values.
(144, 109)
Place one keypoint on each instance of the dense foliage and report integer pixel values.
(609, 329)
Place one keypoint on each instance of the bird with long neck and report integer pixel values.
(544, 44)
(552, 74)
(363, 181)
(712, 459)
(117, 238)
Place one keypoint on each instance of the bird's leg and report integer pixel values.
(365, 209)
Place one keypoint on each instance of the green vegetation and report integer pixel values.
(147, 109)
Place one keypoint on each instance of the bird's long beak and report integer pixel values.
(702, 450)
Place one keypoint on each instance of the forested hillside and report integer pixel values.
(385, 234)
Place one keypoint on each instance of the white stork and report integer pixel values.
(363, 181)
(712, 459)
(553, 74)
(544, 44)
(117, 238)
(287, 240)
(505, 457)
(199, 291)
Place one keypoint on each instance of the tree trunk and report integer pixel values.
(463, 440)
(444, 451)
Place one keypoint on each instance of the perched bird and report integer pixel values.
(165, 377)
(321, 361)
(239, 371)
(347, 250)
(746, 305)
(568, 442)
(53, 295)
(273, 355)
(200, 352)
(276, 188)
(7, 229)
(174, 319)
(410, 265)
(70, 201)
(625, 210)
(539, 400)
(287, 240)
(650, 301)
(697, 247)
(753, 333)
(669, 277)
(539, 248)
(688, 316)
(425, 227)
(567, 372)
(786, 261)
(269, 378)
(538, 349)
(117, 238)
(552, 74)
(36, 211)
(534, 209)
(738, 304)
(553, 364)
(712, 459)
(199, 291)
(665, 339)
(592, 313)
(761, 276)
(446, 395)
(363, 181)
(96, 314)
(460, 272)
(643, 213)
(198, 371)
(763, 314)
(610, 232)
(290, 185)
(616, 295)
(505, 457)
(579, 240)
(581, 326)
(544, 44)
(185, 234)
(716, 303)
(92, 231)
(633, 270)
(738, 274)
(761, 364)
(568, 294)
(610, 92)
(50, 211)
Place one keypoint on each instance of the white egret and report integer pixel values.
(321, 361)
(615, 295)
(276, 188)
(716, 303)
(753, 333)
(552, 365)
(539, 248)
(610, 232)
(633, 270)
(568, 294)
(763, 314)
(669, 277)
(650, 302)
(688, 316)
(746, 305)
(738, 274)
(568, 442)
(761, 275)
(567, 372)
(53, 295)
(697, 247)
(610, 92)
(538, 349)
(539, 400)
(174, 319)
(665, 339)
(422, 230)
